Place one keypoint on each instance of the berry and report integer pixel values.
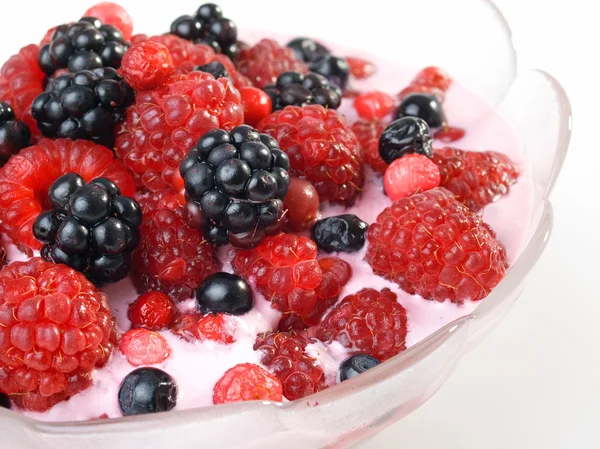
(284, 355)
(476, 178)
(285, 270)
(14, 134)
(194, 326)
(172, 257)
(152, 310)
(433, 77)
(236, 182)
(225, 293)
(2, 255)
(83, 105)
(4, 401)
(342, 233)
(368, 134)
(247, 382)
(360, 68)
(162, 199)
(355, 365)
(373, 105)
(322, 149)
(144, 347)
(410, 174)
(26, 179)
(257, 104)
(335, 69)
(421, 89)
(307, 49)
(424, 106)
(147, 390)
(432, 245)
(164, 124)
(405, 136)
(55, 329)
(215, 68)
(296, 89)
(266, 60)
(147, 65)
(91, 228)
(302, 204)
(112, 14)
(369, 321)
(449, 134)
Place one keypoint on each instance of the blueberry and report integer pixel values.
(307, 49)
(404, 136)
(342, 233)
(335, 69)
(62, 189)
(147, 390)
(355, 365)
(224, 293)
(186, 27)
(4, 401)
(90, 204)
(424, 106)
(215, 68)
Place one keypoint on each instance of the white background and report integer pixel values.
(535, 382)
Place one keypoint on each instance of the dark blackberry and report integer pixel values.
(91, 228)
(83, 105)
(215, 68)
(14, 134)
(307, 49)
(341, 233)
(404, 136)
(297, 89)
(424, 106)
(84, 45)
(335, 69)
(235, 183)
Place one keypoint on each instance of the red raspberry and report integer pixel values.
(257, 105)
(110, 13)
(195, 326)
(165, 123)
(321, 147)
(433, 77)
(266, 60)
(171, 257)
(247, 382)
(55, 328)
(27, 176)
(361, 68)
(144, 347)
(432, 245)
(284, 355)
(162, 199)
(147, 65)
(476, 178)
(449, 134)
(368, 134)
(373, 105)
(410, 174)
(152, 310)
(287, 272)
(368, 321)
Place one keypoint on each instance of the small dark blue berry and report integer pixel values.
(262, 186)
(256, 154)
(404, 136)
(341, 233)
(244, 133)
(213, 204)
(221, 154)
(147, 390)
(355, 365)
(61, 190)
(225, 293)
(424, 106)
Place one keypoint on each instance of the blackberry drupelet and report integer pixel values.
(84, 45)
(235, 183)
(297, 89)
(307, 49)
(215, 68)
(14, 134)
(91, 228)
(83, 105)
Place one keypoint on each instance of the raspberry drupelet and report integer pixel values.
(247, 382)
(219, 328)
(367, 133)
(112, 14)
(152, 310)
(147, 65)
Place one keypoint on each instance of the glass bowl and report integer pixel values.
(481, 57)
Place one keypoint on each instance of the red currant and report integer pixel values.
(373, 105)
(257, 104)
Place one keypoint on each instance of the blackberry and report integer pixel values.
(424, 106)
(84, 45)
(307, 49)
(296, 89)
(91, 228)
(215, 68)
(342, 233)
(335, 69)
(404, 136)
(4, 401)
(235, 183)
(83, 105)
(14, 134)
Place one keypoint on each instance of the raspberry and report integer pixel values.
(433, 246)
(144, 347)
(152, 310)
(247, 382)
(171, 257)
(112, 14)
(321, 147)
(27, 177)
(368, 134)
(284, 355)
(476, 178)
(55, 328)
(449, 134)
(360, 68)
(257, 104)
(165, 123)
(162, 199)
(194, 326)
(373, 105)
(410, 174)
(287, 272)
(433, 77)
(266, 60)
(369, 321)
(147, 65)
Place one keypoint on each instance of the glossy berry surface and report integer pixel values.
(432, 245)
(355, 365)
(410, 174)
(215, 68)
(152, 310)
(424, 106)
(112, 14)
(4, 401)
(55, 328)
(247, 382)
(14, 134)
(405, 136)
(367, 133)
(369, 321)
(257, 104)
(219, 328)
(373, 105)
(147, 390)
(144, 347)
(297, 89)
(147, 65)
(340, 233)
(225, 293)
(361, 68)
(433, 77)
(335, 69)
(302, 204)
(307, 49)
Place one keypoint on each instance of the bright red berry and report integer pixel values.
(476, 178)
(367, 133)
(55, 329)
(27, 176)
(195, 326)
(373, 105)
(257, 104)
(410, 174)
(284, 354)
(247, 382)
(112, 14)
(361, 68)
(432, 245)
(162, 199)
(433, 77)
(449, 134)
(321, 147)
(147, 65)
(152, 310)
(144, 347)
